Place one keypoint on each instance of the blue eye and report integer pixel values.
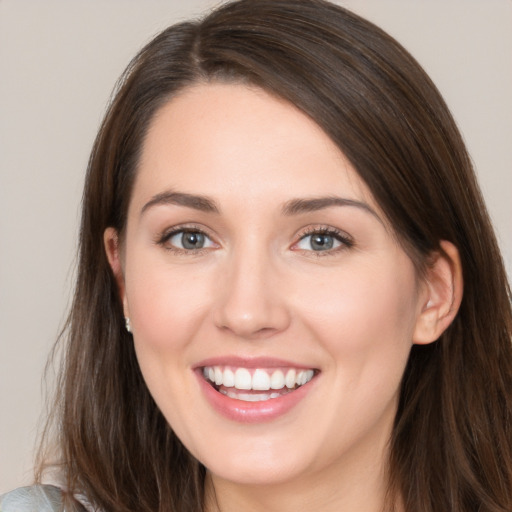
(189, 240)
(321, 241)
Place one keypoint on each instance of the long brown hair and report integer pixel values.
(451, 448)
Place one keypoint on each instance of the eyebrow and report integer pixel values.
(299, 206)
(292, 207)
(197, 202)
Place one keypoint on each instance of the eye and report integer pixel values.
(187, 240)
(323, 240)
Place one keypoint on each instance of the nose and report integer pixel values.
(251, 299)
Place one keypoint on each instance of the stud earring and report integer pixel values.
(127, 324)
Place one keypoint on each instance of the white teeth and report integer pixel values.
(228, 378)
(259, 380)
(248, 397)
(243, 379)
(301, 378)
(277, 380)
(218, 376)
(290, 379)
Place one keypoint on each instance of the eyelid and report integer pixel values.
(164, 236)
(343, 237)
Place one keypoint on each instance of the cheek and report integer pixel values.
(365, 317)
(364, 321)
(167, 308)
(166, 305)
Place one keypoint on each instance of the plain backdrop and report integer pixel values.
(59, 61)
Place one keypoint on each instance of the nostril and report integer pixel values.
(244, 303)
(249, 333)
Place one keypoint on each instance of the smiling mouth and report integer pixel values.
(256, 385)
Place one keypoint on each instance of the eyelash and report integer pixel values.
(164, 238)
(346, 242)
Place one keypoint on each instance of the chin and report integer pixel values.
(263, 458)
(247, 471)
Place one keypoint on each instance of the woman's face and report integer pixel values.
(256, 258)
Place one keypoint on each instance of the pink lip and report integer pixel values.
(250, 362)
(251, 412)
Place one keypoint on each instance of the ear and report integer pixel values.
(113, 251)
(442, 295)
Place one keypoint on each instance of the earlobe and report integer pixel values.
(443, 295)
(113, 251)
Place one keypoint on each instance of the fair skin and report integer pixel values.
(230, 263)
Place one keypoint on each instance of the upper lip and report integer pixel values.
(251, 362)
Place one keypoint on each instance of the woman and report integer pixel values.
(289, 294)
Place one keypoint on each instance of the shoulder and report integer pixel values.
(36, 498)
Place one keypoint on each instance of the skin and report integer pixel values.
(259, 289)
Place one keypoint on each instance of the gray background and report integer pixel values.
(58, 63)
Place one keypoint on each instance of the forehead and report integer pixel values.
(230, 140)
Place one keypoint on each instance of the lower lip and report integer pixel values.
(252, 412)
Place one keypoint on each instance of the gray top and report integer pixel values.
(35, 498)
